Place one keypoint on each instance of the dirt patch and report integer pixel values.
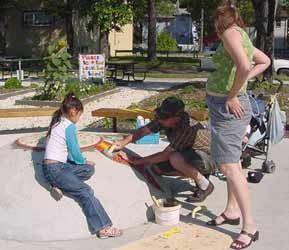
(183, 236)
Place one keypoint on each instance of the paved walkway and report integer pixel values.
(270, 204)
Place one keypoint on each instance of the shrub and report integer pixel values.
(56, 73)
(12, 83)
(166, 42)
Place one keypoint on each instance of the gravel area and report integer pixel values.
(122, 99)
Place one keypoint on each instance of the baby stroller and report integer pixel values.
(267, 126)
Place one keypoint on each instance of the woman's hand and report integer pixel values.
(233, 105)
(118, 145)
(134, 160)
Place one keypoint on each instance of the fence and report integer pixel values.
(11, 66)
(142, 52)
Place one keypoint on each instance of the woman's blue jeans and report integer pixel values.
(70, 179)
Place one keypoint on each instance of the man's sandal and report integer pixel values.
(225, 221)
(109, 232)
(238, 244)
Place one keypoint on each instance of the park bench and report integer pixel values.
(26, 112)
(115, 113)
(132, 73)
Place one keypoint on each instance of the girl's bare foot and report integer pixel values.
(56, 193)
(109, 232)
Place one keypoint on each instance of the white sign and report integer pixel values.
(91, 66)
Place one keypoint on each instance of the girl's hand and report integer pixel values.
(233, 105)
(90, 163)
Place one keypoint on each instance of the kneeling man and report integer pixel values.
(188, 149)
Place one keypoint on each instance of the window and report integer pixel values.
(37, 18)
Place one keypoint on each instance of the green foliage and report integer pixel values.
(166, 42)
(12, 83)
(165, 7)
(139, 8)
(80, 89)
(106, 14)
(247, 11)
(195, 6)
(73, 86)
(56, 71)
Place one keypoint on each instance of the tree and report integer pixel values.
(106, 15)
(64, 9)
(247, 11)
(265, 12)
(140, 12)
(209, 6)
(152, 30)
(4, 5)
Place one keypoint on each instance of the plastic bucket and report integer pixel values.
(168, 213)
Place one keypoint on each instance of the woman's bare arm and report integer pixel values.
(262, 62)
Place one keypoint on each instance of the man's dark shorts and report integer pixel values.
(191, 157)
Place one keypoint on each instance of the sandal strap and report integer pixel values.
(248, 234)
(224, 217)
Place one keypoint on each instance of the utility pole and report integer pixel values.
(202, 31)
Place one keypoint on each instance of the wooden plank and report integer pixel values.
(122, 113)
(26, 112)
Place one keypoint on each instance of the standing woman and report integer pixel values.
(236, 61)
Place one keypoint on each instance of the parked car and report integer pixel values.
(281, 66)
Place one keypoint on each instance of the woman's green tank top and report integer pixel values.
(221, 80)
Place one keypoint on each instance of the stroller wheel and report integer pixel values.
(268, 167)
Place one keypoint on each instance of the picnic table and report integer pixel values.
(115, 113)
(127, 69)
(15, 64)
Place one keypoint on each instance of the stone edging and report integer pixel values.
(56, 104)
(14, 93)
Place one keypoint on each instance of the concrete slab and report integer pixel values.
(26, 204)
(270, 205)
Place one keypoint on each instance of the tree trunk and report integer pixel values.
(3, 33)
(261, 14)
(269, 43)
(69, 28)
(103, 44)
(152, 30)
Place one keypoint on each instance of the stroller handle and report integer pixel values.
(280, 85)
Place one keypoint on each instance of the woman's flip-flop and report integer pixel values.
(238, 244)
(225, 221)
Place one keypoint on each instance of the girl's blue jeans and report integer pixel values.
(70, 179)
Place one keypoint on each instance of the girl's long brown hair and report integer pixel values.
(70, 101)
(227, 15)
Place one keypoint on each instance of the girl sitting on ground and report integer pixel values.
(66, 169)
